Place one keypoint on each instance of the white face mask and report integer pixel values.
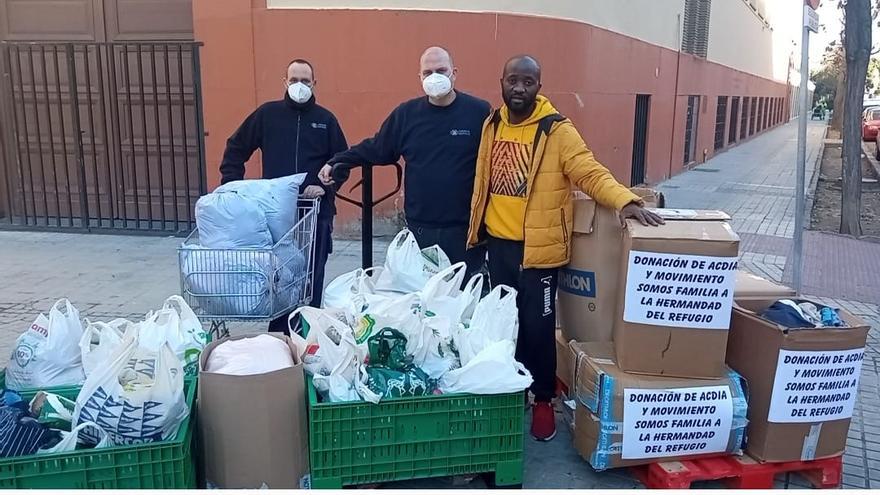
(299, 92)
(437, 85)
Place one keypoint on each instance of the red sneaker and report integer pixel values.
(543, 421)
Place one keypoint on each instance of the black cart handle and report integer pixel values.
(342, 169)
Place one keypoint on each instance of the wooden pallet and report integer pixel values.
(740, 472)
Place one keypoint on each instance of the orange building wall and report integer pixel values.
(367, 61)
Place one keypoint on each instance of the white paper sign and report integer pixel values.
(679, 290)
(813, 386)
(676, 422)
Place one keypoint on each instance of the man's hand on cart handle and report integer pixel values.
(325, 175)
(312, 192)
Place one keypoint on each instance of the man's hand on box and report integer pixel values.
(643, 215)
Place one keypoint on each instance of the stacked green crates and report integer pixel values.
(353, 443)
(168, 464)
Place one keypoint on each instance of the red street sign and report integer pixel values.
(814, 4)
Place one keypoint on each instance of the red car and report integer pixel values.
(870, 123)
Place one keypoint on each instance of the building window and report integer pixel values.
(753, 116)
(720, 121)
(690, 128)
(744, 119)
(734, 112)
(695, 29)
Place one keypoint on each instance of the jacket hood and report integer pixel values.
(543, 108)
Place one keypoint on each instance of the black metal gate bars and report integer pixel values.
(104, 135)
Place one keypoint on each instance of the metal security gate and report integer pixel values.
(105, 135)
(640, 139)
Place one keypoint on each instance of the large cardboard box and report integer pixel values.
(587, 296)
(752, 287)
(802, 383)
(253, 429)
(623, 419)
(564, 360)
(676, 296)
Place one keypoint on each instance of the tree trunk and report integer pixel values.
(839, 102)
(857, 50)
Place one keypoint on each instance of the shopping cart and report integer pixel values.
(250, 284)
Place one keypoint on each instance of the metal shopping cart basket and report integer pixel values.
(250, 284)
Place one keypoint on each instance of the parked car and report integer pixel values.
(870, 123)
(877, 146)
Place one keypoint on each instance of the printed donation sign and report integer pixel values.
(678, 290)
(676, 422)
(813, 386)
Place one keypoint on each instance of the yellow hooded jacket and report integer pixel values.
(537, 210)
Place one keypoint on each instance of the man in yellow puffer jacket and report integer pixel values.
(529, 158)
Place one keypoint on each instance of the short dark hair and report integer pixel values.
(306, 62)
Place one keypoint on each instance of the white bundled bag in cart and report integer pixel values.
(47, 354)
(137, 397)
(277, 198)
(229, 220)
(407, 267)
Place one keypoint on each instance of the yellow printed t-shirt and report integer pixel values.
(511, 162)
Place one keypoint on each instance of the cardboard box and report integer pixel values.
(815, 425)
(622, 419)
(587, 296)
(253, 429)
(564, 360)
(676, 296)
(752, 287)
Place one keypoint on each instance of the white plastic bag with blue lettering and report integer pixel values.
(137, 397)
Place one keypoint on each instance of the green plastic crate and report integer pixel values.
(65, 390)
(353, 443)
(168, 464)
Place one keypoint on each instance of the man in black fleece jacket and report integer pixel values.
(438, 136)
(295, 135)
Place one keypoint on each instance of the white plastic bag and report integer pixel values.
(342, 289)
(495, 318)
(408, 268)
(493, 371)
(99, 342)
(332, 356)
(190, 335)
(276, 198)
(399, 312)
(136, 398)
(249, 356)
(443, 295)
(47, 354)
(228, 220)
(69, 440)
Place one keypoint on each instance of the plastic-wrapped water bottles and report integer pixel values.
(830, 317)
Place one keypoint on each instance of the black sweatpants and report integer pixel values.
(453, 242)
(323, 248)
(536, 302)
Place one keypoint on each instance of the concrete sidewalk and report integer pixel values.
(122, 276)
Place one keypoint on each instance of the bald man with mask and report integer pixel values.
(438, 136)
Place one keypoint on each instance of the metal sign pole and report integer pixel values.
(811, 23)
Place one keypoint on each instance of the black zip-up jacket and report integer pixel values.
(439, 145)
(294, 138)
